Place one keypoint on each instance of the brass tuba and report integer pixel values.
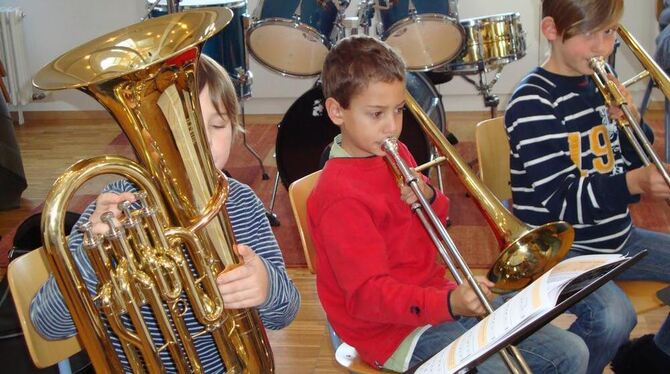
(145, 76)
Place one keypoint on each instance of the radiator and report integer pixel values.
(13, 56)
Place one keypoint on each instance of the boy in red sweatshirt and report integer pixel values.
(378, 276)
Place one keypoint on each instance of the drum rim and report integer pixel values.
(291, 24)
(238, 4)
(422, 18)
(489, 65)
(493, 17)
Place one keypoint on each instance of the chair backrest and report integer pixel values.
(493, 156)
(298, 192)
(26, 275)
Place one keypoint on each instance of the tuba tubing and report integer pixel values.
(145, 76)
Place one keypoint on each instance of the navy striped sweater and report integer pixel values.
(568, 161)
(250, 226)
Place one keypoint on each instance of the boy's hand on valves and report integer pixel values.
(108, 202)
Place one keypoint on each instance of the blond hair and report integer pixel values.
(354, 63)
(221, 90)
(573, 17)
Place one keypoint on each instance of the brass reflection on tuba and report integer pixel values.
(167, 254)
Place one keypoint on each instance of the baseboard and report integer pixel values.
(50, 115)
(252, 119)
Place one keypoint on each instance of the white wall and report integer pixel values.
(53, 27)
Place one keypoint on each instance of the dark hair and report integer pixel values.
(574, 17)
(221, 89)
(355, 62)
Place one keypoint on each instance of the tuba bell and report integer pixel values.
(167, 254)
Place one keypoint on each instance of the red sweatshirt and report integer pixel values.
(378, 277)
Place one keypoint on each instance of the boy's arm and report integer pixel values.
(359, 260)
(48, 311)
(538, 140)
(283, 300)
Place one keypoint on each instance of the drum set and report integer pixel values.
(293, 37)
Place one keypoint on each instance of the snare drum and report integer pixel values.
(306, 129)
(292, 37)
(426, 36)
(226, 47)
(491, 41)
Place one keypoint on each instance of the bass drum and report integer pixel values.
(305, 131)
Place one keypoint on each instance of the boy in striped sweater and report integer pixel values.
(570, 162)
(262, 281)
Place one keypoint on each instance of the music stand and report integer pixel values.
(574, 292)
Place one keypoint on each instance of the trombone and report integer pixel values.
(613, 96)
(432, 223)
(526, 252)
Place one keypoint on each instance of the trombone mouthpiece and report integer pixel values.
(597, 63)
(390, 145)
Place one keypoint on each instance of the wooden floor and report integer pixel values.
(49, 146)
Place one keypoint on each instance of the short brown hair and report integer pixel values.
(355, 62)
(221, 90)
(573, 17)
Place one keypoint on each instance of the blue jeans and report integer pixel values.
(548, 350)
(606, 317)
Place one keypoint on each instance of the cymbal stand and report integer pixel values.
(490, 100)
(243, 77)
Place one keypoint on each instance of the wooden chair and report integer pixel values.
(493, 156)
(26, 275)
(298, 192)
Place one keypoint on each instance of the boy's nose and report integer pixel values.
(392, 126)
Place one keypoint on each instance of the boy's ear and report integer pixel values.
(335, 111)
(548, 27)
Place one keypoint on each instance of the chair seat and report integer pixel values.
(347, 356)
(643, 294)
(26, 275)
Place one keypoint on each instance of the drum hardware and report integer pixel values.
(491, 100)
(245, 77)
(366, 13)
(173, 6)
(491, 43)
(352, 24)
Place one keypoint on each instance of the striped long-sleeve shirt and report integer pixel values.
(568, 161)
(51, 318)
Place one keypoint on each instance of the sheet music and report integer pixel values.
(525, 307)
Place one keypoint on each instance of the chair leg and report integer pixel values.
(334, 339)
(64, 367)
